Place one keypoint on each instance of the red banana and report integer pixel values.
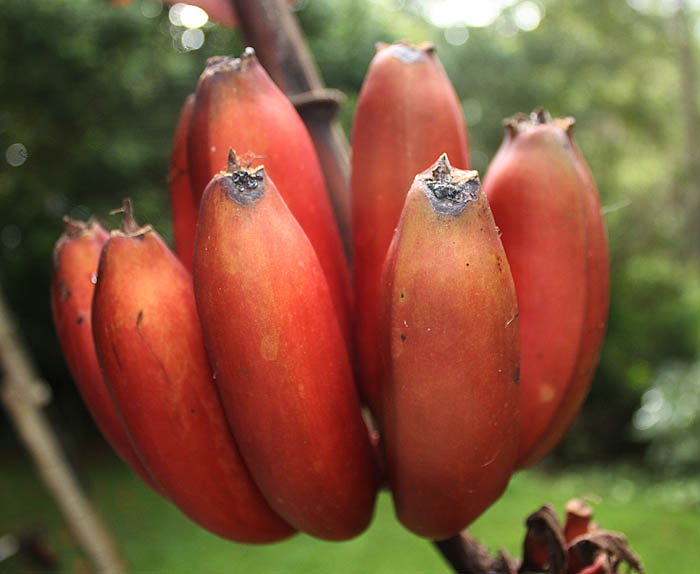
(596, 314)
(281, 366)
(182, 201)
(149, 344)
(451, 395)
(407, 115)
(238, 106)
(546, 205)
(75, 258)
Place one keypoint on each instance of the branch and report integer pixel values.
(465, 554)
(23, 395)
(688, 199)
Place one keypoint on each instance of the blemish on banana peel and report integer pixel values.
(269, 347)
(546, 393)
(397, 349)
(450, 190)
(493, 457)
(63, 288)
(499, 263)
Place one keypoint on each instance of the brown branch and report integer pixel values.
(24, 395)
(689, 197)
(465, 554)
(271, 28)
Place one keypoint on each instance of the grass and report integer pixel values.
(661, 521)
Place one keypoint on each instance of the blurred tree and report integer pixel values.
(670, 418)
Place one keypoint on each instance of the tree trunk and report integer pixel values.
(690, 189)
(24, 395)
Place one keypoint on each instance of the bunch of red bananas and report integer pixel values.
(226, 376)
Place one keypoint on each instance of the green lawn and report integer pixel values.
(661, 521)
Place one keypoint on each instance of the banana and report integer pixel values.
(76, 256)
(150, 347)
(451, 391)
(407, 115)
(281, 366)
(238, 106)
(546, 205)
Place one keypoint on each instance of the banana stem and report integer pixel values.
(465, 554)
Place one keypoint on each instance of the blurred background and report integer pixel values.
(90, 95)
